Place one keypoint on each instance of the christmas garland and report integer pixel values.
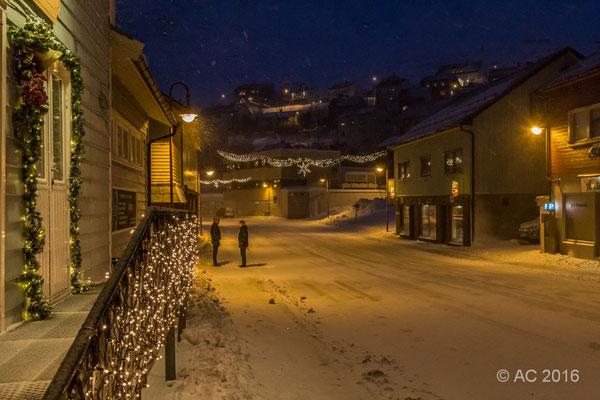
(32, 50)
(217, 182)
(302, 163)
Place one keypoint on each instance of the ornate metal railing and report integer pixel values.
(136, 312)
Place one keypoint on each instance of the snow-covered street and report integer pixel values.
(359, 314)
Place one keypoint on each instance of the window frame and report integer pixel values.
(425, 172)
(128, 143)
(453, 154)
(407, 165)
(589, 127)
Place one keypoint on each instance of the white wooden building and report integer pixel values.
(83, 26)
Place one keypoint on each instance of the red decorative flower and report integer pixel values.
(34, 92)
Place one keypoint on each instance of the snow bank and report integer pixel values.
(370, 213)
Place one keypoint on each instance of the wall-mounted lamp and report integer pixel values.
(536, 130)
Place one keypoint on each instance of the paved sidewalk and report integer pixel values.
(32, 352)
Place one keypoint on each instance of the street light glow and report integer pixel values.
(209, 173)
(188, 117)
(536, 130)
(322, 179)
(264, 185)
(379, 169)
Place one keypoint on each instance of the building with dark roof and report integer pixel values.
(342, 89)
(478, 144)
(389, 92)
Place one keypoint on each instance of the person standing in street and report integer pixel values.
(243, 240)
(215, 236)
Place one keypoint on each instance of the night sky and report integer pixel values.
(216, 45)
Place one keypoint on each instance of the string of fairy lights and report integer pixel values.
(157, 292)
(302, 163)
(221, 182)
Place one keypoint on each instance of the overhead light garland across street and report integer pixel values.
(218, 182)
(303, 164)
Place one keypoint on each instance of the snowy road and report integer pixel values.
(361, 315)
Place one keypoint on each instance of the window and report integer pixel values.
(426, 166)
(584, 124)
(453, 161)
(57, 129)
(404, 170)
(128, 143)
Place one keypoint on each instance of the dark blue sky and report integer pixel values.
(216, 45)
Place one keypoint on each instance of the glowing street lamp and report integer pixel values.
(266, 186)
(536, 130)
(326, 182)
(188, 117)
(387, 198)
(210, 173)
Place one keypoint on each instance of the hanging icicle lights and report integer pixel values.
(219, 182)
(302, 163)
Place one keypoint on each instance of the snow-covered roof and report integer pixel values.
(585, 66)
(464, 108)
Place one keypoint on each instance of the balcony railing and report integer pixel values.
(136, 313)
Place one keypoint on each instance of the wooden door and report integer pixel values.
(53, 174)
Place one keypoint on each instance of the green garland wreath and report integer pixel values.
(31, 45)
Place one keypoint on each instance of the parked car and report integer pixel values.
(530, 230)
(226, 213)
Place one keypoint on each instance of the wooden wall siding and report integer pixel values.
(127, 106)
(160, 164)
(49, 7)
(508, 157)
(565, 158)
(87, 24)
(83, 26)
(124, 176)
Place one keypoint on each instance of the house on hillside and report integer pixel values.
(389, 92)
(342, 90)
(572, 123)
(472, 169)
(255, 93)
(451, 79)
(68, 180)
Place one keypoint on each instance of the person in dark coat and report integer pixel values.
(215, 236)
(243, 239)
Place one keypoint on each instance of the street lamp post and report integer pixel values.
(327, 193)
(186, 117)
(387, 199)
(209, 173)
(266, 186)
